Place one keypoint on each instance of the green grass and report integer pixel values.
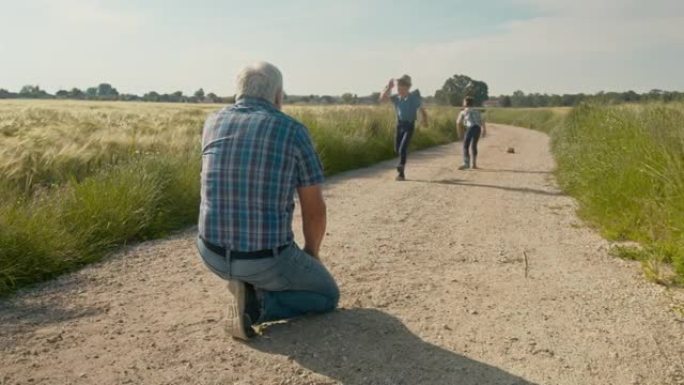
(79, 179)
(625, 166)
(541, 119)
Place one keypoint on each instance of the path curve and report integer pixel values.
(436, 289)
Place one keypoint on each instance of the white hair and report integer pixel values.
(259, 80)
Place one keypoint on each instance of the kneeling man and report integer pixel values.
(254, 159)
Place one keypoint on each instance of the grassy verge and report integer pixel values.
(541, 119)
(80, 179)
(625, 166)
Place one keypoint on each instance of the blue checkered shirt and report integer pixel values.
(254, 157)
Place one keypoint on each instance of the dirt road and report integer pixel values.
(436, 289)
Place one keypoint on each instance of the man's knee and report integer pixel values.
(335, 298)
(332, 294)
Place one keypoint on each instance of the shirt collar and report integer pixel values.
(252, 101)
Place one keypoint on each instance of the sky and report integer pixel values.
(333, 47)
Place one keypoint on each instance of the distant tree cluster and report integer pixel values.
(106, 91)
(520, 99)
(458, 87)
(346, 98)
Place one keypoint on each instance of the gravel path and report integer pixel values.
(452, 277)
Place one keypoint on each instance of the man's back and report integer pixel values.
(253, 159)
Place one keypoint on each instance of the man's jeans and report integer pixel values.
(472, 136)
(403, 139)
(288, 285)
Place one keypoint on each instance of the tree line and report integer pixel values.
(520, 99)
(454, 90)
(105, 91)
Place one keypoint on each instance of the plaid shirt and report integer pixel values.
(254, 157)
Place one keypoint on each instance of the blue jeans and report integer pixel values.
(288, 285)
(403, 139)
(472, 136)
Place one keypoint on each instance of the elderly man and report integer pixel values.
(254, 159)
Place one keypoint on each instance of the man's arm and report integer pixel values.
(386, 92)
(459, 124)
(314, 217)
(424, 116)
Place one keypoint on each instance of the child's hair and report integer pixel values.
(469, 101)
(404, 81)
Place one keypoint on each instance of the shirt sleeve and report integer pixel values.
(309, 169)
(418, 99)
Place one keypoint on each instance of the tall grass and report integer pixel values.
(625, 166)
(79, 179)
(542, 119)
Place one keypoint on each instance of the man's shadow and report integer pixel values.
(367, 346)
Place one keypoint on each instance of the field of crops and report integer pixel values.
(78, 179)
(625, 166)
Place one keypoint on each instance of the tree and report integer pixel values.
(151, 96)
(176, 97)
(91, 93)
(327, 99)
(199, 94)
(375, 98)
(105, 91)
(4, 94)
(457, 87)
(33, 92)
(76, 93)
(62, 94)
(348, 98)
(518, 99)
(505, 101)
(213, 98)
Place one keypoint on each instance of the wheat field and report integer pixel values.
(81, 178)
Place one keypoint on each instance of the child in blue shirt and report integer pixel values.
(406, 105)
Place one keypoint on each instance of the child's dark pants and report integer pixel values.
(472, 136)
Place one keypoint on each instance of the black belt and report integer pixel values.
(243, 254)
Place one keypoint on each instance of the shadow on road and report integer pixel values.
(368, 346)
(515, 171)
(459, 182)
(22, 315)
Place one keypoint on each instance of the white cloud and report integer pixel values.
(575, 46)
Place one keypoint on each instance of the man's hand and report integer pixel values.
(313, 218)
(385, 94)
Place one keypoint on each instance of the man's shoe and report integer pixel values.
(400, 170)
(239, 322)
(464, 167)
